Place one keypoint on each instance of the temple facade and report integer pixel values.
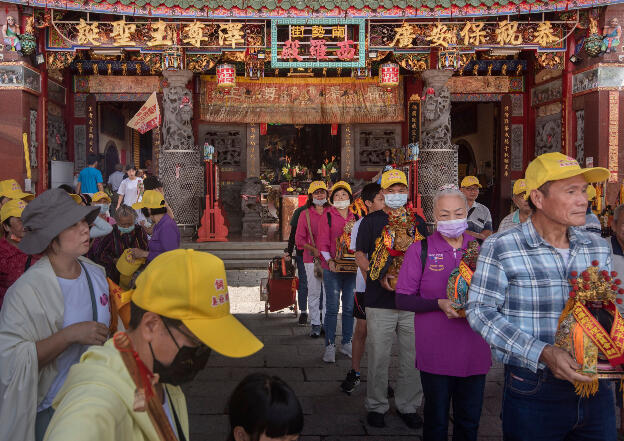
(253, 99)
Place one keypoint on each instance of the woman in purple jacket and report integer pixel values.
(453, 359)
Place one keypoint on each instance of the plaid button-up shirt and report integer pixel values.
(521, 286)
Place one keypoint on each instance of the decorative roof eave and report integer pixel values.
(378, 9)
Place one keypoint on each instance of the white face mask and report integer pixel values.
(319, 202)
(340, 205)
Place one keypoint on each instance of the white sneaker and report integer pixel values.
(347, 349)
(330, 354)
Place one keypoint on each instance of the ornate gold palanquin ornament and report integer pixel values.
(391, 246)
(460, 278)
(591, 329)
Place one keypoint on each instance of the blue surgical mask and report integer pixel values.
(319, 201)
(395, 200)
(126, 230)
(104, 208)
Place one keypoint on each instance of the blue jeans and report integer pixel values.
(466, 393)
(538, 406)
(334, 284)
(302, 291)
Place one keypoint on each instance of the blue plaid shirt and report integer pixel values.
(521, 286)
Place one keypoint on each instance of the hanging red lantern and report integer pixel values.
(389, 75)
(226, 76)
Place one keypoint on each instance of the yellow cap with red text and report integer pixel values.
(341, 185)
(391, 177)
(469, 181)
(556, 166)
(519, 187)
(13, 208)
(9, 188)
(100, 195)
(191, 286)
(316, 185)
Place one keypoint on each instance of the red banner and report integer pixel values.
(301, 101)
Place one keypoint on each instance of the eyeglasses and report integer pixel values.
(199, 353)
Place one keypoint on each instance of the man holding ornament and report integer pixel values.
(525, 277)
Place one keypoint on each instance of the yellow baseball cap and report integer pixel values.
(469, 181)
(391, 177)
(13, 208)
(591, 192)
(151, 199)
(341, 185)
(11, 189)
(76, 198)
(99, 196)
(519, 187)
(316, 185)
(556, 166)
(126, 266)
(191, 286)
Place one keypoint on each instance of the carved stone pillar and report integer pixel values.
(438, 157)
(180, 161)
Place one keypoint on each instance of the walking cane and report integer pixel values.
(145, 397)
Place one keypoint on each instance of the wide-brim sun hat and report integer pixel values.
(48, 215)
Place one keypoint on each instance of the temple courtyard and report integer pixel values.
(330, 414)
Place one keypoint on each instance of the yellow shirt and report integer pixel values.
(96, 402)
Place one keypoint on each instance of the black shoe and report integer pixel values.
(375, 419)
(303, 319)
(390, 392)
(323, 330)
(411, 420)
(351, 382)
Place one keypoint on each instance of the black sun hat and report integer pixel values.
(48, 215)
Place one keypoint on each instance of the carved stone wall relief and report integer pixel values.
(548, 134)
(32, 128)
(178, 110)
(517, 141)
(57, 138)
(372, 141)
(580, 136)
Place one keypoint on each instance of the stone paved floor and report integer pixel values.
(330, 415)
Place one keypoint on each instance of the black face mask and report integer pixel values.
(185, 366)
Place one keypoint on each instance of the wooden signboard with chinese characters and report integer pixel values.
(468, 35)
(92, 125)
(413, 119)
(318, 43)
(504, 156)
(156, 34)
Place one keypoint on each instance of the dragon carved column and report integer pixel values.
(180, 162)
(438, 157)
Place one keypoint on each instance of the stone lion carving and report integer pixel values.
(436, 119)
(178, 109)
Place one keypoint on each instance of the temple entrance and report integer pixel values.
(475, 128)
(292, 155)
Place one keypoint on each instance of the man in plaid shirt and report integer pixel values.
(517, 294)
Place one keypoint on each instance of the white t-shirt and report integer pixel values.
(360, 280)
(565, 254)
(77, 303)
(130, 190)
